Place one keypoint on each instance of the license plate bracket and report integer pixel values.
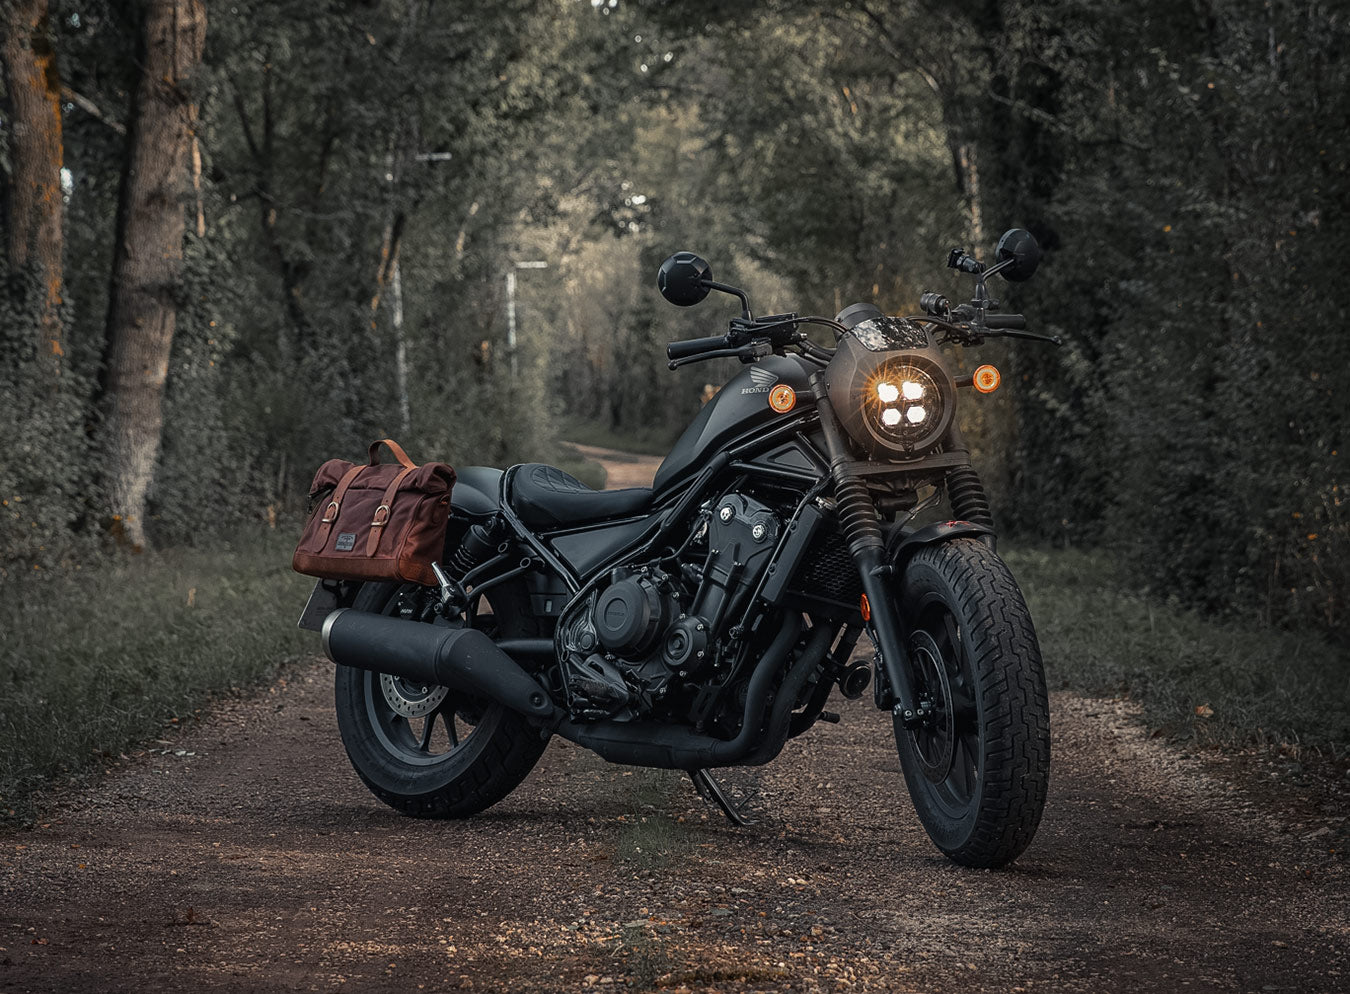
(323, 601)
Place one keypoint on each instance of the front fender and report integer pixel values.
(904, 541)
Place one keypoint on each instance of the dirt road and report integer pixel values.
(243, 855)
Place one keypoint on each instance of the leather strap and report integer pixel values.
(395, 448)
(330, 513)
(377, 523)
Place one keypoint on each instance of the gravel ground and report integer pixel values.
(242, 854)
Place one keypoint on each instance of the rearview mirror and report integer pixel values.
(684, 279)
(1018, 247)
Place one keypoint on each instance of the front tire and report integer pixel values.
(425, 751)
(979, 767)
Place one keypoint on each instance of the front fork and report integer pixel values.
(862, 528)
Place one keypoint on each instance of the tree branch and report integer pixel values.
(91, 108)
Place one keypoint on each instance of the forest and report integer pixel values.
(241, 237)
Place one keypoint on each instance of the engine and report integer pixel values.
(654, 628)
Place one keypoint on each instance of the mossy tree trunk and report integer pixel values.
(148, 259)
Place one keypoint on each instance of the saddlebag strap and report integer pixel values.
(382, 512)
(330, 513)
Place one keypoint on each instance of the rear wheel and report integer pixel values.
(426, 750)
(979, 766)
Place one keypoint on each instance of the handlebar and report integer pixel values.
(693, 346)
(1005, 322)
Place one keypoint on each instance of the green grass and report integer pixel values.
(1195, 677)
(655, 441)
(96, 660)
(651, 837)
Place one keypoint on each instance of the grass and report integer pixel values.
(1196, 678)
(652, 838)
(655, 441)
(92, 662)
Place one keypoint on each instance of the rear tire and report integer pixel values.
(462, 756)
(979, 769)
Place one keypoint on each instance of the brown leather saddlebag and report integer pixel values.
(379, 521)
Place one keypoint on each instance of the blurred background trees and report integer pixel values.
(358, 178)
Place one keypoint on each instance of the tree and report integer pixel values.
(149, 256)
(31, 205)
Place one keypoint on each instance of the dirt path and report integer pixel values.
(623, 469)
(244, 855)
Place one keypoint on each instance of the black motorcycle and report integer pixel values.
(702, 623)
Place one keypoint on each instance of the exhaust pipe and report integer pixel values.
(458, 658)
(637, 743)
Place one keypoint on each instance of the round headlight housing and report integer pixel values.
(896, 402)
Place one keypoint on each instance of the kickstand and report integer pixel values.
(711, 790)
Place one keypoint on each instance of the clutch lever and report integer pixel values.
(746, 353)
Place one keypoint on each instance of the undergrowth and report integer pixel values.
(1196, 678)
(93, 661)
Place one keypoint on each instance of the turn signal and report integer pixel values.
(782, 398)
(986, 379)
(866, 607)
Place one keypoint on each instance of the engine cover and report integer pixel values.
(632, 614)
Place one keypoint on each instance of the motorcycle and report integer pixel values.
(701, 623)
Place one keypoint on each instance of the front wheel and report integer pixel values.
(979, 766)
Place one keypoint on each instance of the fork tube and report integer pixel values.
(862, 529)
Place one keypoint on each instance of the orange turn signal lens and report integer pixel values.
(866, 607)
(782, 398)
(986, 379)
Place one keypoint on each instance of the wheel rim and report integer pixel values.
(947, 744)
(432, 737)
(422, 724)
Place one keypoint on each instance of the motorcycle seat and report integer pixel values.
(546, 497)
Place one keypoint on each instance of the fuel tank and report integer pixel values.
(739, 407)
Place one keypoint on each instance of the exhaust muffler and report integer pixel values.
(458, 658)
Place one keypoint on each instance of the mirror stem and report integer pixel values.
(735, 291)
(998, 267)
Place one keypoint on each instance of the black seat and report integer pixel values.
(546, 497)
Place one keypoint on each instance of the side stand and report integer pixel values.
(710, 790)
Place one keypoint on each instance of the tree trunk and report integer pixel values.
(148, 264)
(31, 213)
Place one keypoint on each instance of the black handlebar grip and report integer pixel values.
(1008, 322)
(693, 346)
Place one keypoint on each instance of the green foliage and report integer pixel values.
(1181, 164)
(1181, 167)
(92, 663)
(1261, 685)
(44, 482)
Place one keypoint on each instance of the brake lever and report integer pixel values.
(1030, 336)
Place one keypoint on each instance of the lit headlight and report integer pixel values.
(890, 389)
(903, 402)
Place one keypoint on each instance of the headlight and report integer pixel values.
(890, 389)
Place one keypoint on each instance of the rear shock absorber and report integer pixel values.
(966, 495)
(478, 544)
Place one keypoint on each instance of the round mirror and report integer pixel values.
(681, 279)
(1019, 245)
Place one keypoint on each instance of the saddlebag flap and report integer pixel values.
(378, 521)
